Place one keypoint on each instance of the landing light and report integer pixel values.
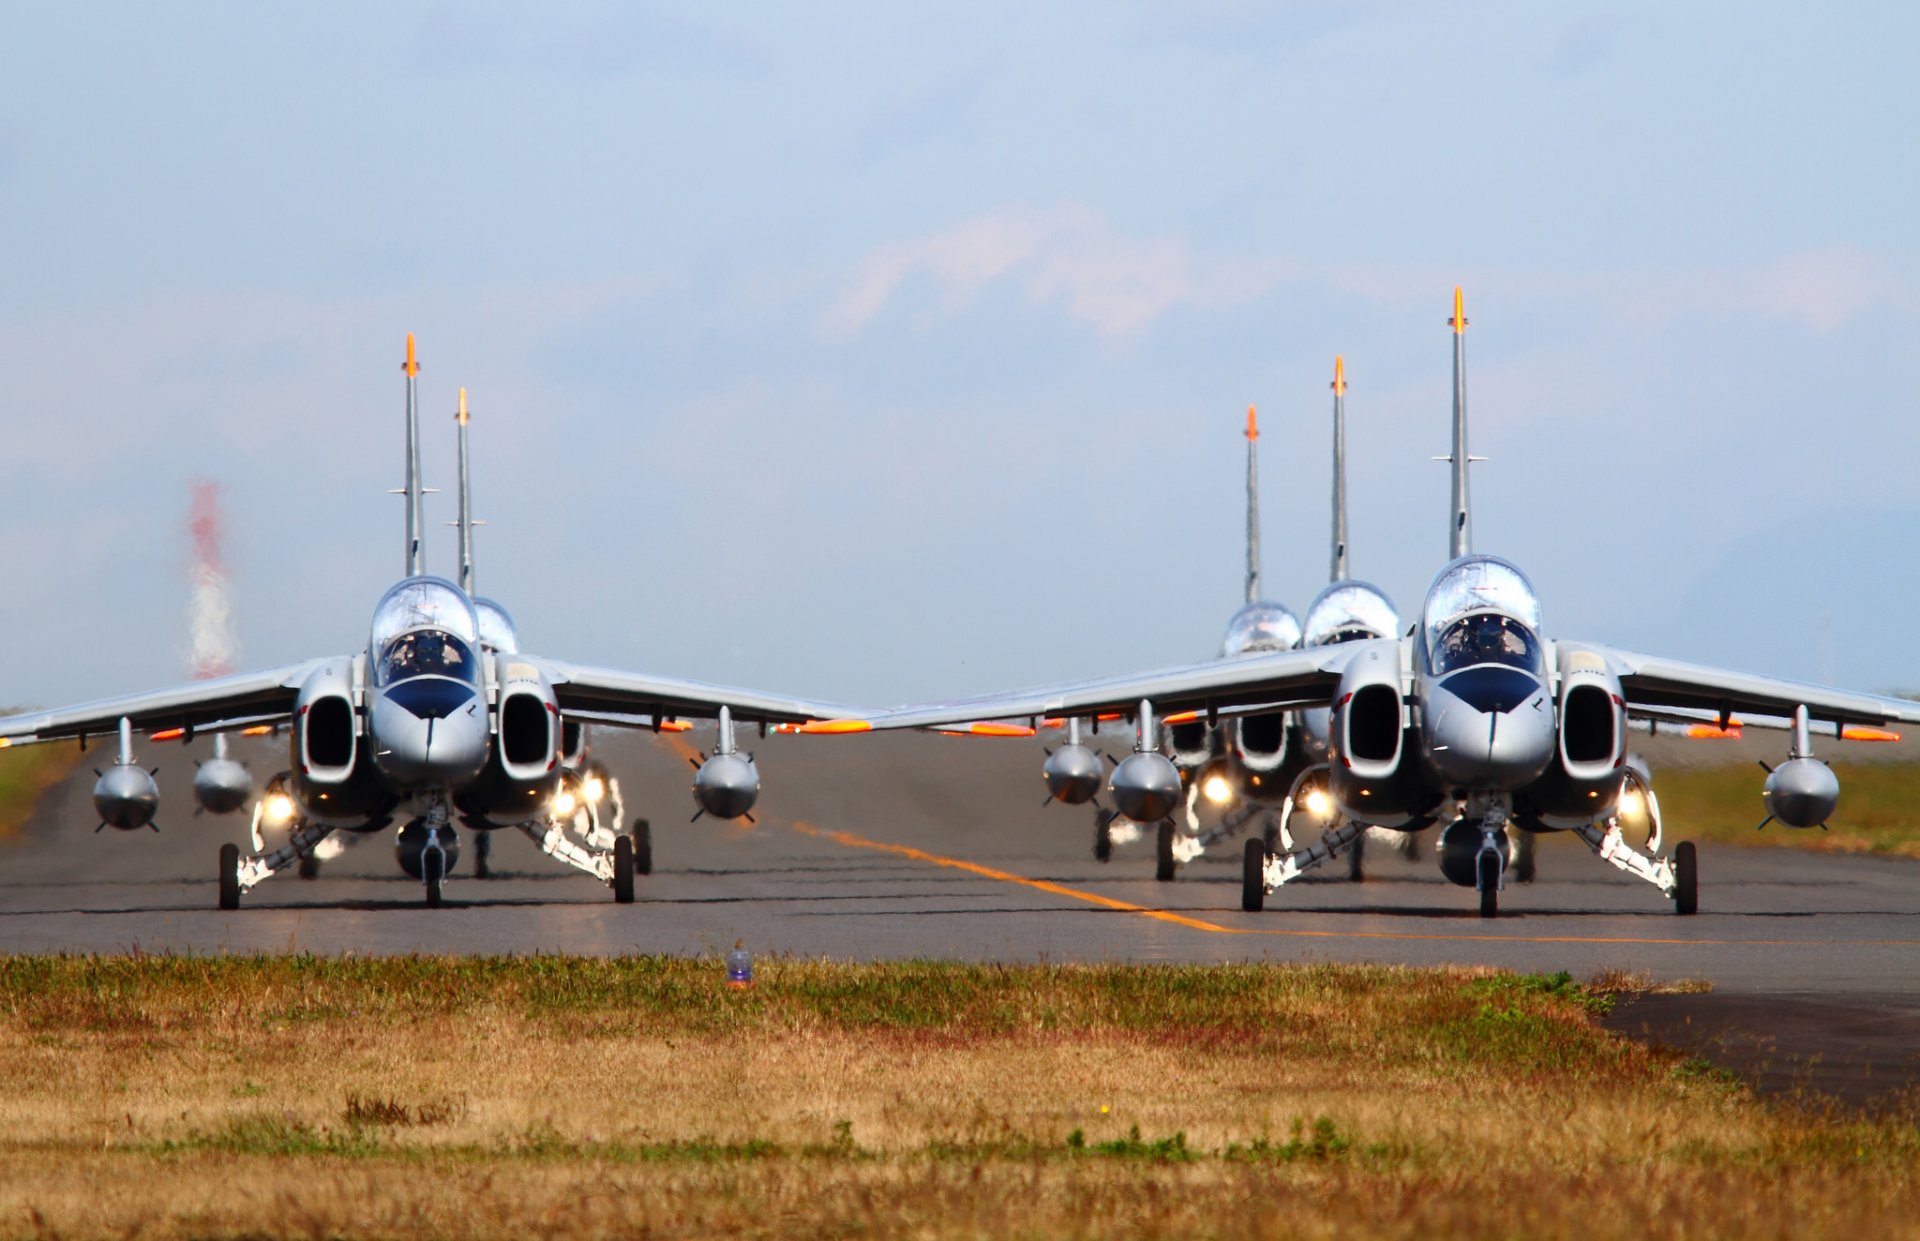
(1319, 805)
(278, 808)
(593, 788)
(564, 804)
(1633, 804)
(1217, 790)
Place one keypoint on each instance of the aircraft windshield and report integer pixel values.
(1261, 626)
(496, 628)
(423, 603)
(427, 652)
(1486, 638)
(1479, 584)
(1347, 612)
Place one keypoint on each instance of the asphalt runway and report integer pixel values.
(932, 847)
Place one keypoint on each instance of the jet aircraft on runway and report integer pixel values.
(438, 716)
(1472, 721)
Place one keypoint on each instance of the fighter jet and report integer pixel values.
(1236, 760)
(588, 799)
(1472, 721)
(1253, 780)
(424, 723)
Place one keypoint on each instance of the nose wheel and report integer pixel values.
(1253, 876)
(1686, 879)
(433, 869)
(623, 870)
(1164, 865)
(229, 876)
(1487, 876)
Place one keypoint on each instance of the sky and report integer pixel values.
(892, 352)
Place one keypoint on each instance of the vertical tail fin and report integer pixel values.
(1253, 506)
(1339, 569)
(1460, 528)
(416, 558)
(465, 521)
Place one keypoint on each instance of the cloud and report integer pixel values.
(1069, 256)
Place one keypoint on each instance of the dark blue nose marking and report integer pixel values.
(1491, 687)
(431, 698)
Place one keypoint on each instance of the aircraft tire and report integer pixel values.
(482, 847)
(1164, 868)
(1686, 876)
(623, 870)
(1253, 877)
(1357, 859)
(1102, 835)
(642, 847)
(309, 867)
(1523, 843)
(229, 876)
(1489, 877)
(433, 868)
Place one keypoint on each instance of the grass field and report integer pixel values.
(164, 1097)
(25, 773)
(1879, 808)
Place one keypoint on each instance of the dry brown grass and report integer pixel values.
(299, 1097)
(25, 773)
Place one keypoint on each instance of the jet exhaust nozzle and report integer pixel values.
(1073, 774)
(1802, 792)
(1146, 787)
(726, 785)
(126, 797)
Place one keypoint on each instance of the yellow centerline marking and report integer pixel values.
(855, 841)
(1004, 876)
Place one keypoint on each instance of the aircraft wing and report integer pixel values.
(1652, 681)
(215, 703)
(1281, 680)
(614, 697)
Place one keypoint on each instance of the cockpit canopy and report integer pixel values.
(1260, 626)
(497, 632)
(1482, 609)
(424, 625)
(1347, 612)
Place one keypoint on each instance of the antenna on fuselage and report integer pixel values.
(1460, 528)
(1338, 572)
(1253, 506)
(416, 557)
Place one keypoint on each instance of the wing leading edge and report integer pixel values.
(221, 702)
(616, 696)
(1280, 680)
(1655, 681)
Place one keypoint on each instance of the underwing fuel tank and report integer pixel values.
(1073, 774)
(727, 785)
(1803, 791)
(1146, 786)
(126, 797)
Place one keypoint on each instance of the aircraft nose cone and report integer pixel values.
(1504, 745)
(415, 751)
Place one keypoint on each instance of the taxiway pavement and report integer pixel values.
(933, 847)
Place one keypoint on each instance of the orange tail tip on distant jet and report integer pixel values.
(1472, 721)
